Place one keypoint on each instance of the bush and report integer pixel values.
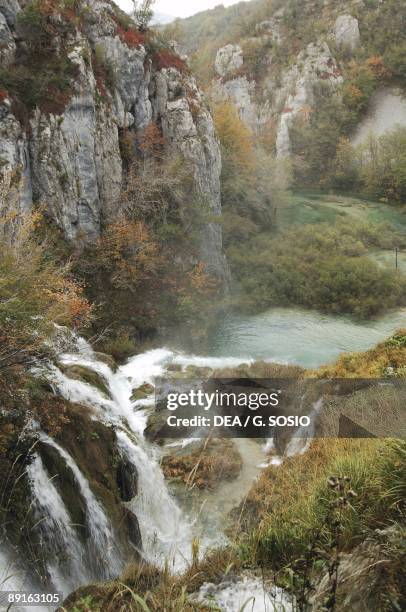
(167, 59)
(43, 75)
(318, 267)
(35, 294)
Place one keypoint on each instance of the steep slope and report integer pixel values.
(76, 78)
(301, 74)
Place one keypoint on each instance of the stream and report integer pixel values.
(169, 523)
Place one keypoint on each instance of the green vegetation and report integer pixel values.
(43, 74)
(387, 358)
(253, 183)
(145, 268)
(322, 266)
(35, 294)
(377, 169)
(304, 518)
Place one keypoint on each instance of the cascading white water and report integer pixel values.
(166, 534)
(250, 594)
(103, 552)
(14, 578)
(66, 556)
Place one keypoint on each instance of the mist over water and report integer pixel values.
(292, 335)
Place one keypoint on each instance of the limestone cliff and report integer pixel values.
(272, 59)
(63, 151)
(282, 99)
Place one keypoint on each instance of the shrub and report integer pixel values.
(131, 37)
(43, 76)
(35, 293)
(318, 267)
(166, 59)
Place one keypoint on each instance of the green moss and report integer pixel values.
(142, 392)
(79, 372)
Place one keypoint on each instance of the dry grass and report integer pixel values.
(390, 354)
(144, 588)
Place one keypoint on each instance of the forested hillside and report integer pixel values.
(302, 75)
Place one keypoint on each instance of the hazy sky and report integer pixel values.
(180, 8)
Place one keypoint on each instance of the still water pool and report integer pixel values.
(293, 335)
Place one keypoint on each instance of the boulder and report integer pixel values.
(346, 32)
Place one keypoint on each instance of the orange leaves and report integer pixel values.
(128, 251)
(35, 293)
(151, 140)
(203, 282)
(235, 137)
(354, 91)
(377, 65)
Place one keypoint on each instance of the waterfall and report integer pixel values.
(300, 443)
(13, 578)
(103, 552)
(166, 535)
(166, 532)
(66, 557)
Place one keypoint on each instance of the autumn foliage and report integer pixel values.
(131, 37)
(35, 294)
(129, 253)
(167, 59)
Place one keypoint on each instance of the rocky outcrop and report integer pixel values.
(232, 85)
(7, 44)
(259, 103)
(346, 32)
(69, 158)
(228, 60)
(314, 65)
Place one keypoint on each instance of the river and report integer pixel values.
(302, 337)
(295, 336)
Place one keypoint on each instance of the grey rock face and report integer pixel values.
(314, 65)
(228, 60)
(10, 8)
(346, 32)
(237, 88)
(15, 164)
(189, 129)
(7, 44)
(71, 162)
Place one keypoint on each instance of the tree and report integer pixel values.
(143, 13)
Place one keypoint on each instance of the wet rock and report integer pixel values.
(204, 464)
(142, 392)
(107, 359)
(127, 480)
(79, 372)
(133, 529)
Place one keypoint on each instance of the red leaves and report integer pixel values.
(131, 37)
(167, 59)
